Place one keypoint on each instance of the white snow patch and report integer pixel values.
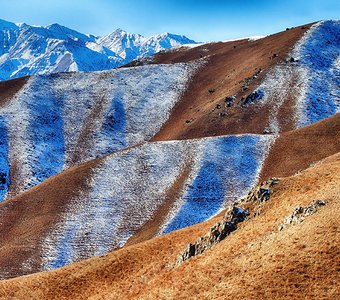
(227, 169)
(313, 78)
(250, 38)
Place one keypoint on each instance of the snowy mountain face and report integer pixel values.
(27, 50)
(129, 46)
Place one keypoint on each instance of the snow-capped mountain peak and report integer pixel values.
(72, 34)
(27, 49)
(130, 46)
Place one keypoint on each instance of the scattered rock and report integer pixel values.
(3, 178)
(291, 59)
(218, 106)
(223, 114)
(262, 192)
(248, 80)
(251, 98)
(229, 101)
(300, 213)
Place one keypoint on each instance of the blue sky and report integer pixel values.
(200, 20)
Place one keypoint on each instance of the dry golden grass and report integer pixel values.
(256, 262)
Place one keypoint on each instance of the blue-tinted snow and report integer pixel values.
(319, 55)
(114, 125)
(129, 186)
(229, 164)
(64, 256)
(59, 120)
(45, 131)
(4, 165)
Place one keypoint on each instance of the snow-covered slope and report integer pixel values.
(56, 121)
(311, 73)
(26, 50)
(128, 187)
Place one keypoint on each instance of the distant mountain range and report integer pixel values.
(27, 50)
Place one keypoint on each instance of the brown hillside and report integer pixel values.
(296, 150)
(27, 218)
(226, 71)
(255, 262)
(9, 88)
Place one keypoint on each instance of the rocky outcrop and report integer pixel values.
(217, 233)
(262, 192)
(235, 214)
(300, 213)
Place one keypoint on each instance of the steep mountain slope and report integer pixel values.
(257, 261)
(26, 50)
(130, 189)
(96, 207)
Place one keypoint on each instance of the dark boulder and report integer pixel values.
(251, 98)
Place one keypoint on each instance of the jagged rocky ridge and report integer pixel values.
(27, 50)
(236, 213)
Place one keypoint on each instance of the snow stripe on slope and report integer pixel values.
(129, 186)
(230, 167)
(4, 166)
(35, 134)
(46, 131)
(318, 53)
(313, 80)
